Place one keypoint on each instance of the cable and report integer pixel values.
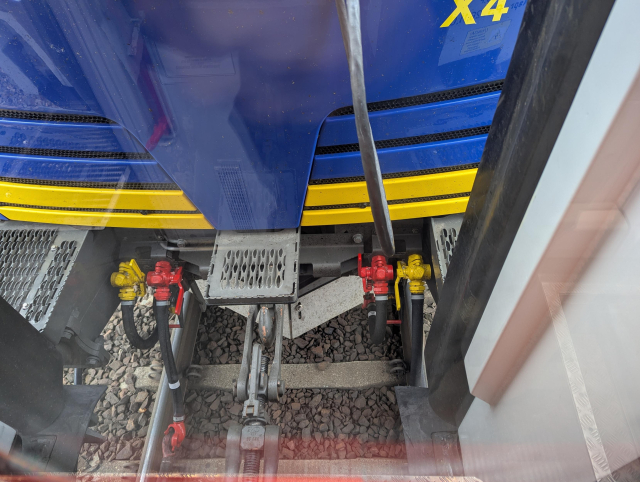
(162, 317)
(128, 322)
(417, 334)
(378, 320)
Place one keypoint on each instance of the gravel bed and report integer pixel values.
(123, 412)
(315, 424)
(341, 339)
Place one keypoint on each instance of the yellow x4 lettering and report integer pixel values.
(497, 12)
(462, 8)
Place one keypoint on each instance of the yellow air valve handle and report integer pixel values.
(416, 272)
(130, 279)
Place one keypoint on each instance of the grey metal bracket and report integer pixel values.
(271, 451)
(266, 325)
(240, 387)
(256, 385)
(233, 455)
(276, 384)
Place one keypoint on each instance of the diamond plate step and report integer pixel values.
(254, 267)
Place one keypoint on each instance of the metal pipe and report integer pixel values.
(186, 248)
(349, 16)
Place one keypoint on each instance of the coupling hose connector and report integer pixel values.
(130, 279)
(416, 271)
(161, 278)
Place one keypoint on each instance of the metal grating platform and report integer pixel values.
(255, 267)
(49, 282)
(22, 252)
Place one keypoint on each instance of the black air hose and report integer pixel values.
(417, 334)
(162, 320)
(128, 322)
(378, 320)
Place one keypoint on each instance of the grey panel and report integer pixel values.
(57, 277)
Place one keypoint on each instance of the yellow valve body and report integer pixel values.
(130, 279)
(416, 272)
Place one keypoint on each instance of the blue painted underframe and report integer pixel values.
(413, 121)
(81, 170)
(73, 137)
(403, 159)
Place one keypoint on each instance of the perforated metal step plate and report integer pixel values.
(444, 236)
(254, 267)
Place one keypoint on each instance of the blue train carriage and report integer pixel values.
(238, 117)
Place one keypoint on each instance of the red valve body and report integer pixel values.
(161, 278)
(376, 276)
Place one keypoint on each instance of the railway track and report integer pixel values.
(334, 409)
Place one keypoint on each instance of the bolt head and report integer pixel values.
(25, 306)
(54, 247)
(181, 243)
(92, 361)
(357, 238)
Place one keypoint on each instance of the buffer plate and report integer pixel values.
(254, 267)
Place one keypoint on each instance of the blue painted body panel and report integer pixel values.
(81, 170)
(413, 121)
(402, 159)
(235, 92)
(74, 137)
